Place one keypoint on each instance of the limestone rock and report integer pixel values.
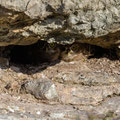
(24, 22)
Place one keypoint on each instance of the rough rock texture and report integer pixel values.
(41, 89)
(24, 22)
(84, 89)
(75, 88)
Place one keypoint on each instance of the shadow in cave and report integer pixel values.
(37, 57)
(99, 52)
(33, 58)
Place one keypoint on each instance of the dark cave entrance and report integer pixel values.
(34, 54)
(42, 52)
(30, 54)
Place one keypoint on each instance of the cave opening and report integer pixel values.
(30, 54)
(34, 54)
(42, 52)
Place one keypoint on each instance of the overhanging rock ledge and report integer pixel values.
(24, 22)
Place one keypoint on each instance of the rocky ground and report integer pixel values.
(78, 87)
(47, 69)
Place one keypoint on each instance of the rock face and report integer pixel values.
(73, 88)
(24, 22)
(84, 89)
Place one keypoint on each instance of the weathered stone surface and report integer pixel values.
(83, 91)
(41, 89)
(75, 90)
(16, 108)
(95, 22)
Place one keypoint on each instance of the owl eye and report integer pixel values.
(75, 48)
(52, 45)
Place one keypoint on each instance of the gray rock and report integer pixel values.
(41, 89)
(36, 110)
(24, 22)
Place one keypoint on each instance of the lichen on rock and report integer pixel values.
(62, 21)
